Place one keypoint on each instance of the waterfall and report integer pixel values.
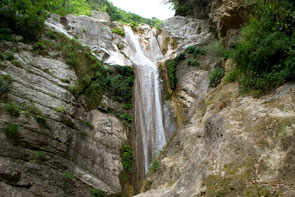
(149, 118)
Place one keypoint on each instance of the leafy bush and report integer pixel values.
(119, 31)
(192, 62)
(119, 83)
(13, 109)
(155, 164)
(40, 47)
(127, 158)
(38, 115)
(266, 53)
(183, 10)
(171, 67)
(73, 89)
(51, 34)
(231, 76)
(89, 125)
(42, 121)
(11, 130)
(16, 63)
(215, 48)
(69, 176)
(127, 106)
(7, 56)
(97, 193)
(179, 57)
(195, 50)
(39, 155)
(94, 94)
(134, 25)
(126, 118)
(61, 109)
(5, 82)
(26, 17)
(215, 77)
(6, 34)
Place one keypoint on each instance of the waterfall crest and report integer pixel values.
(149, 118)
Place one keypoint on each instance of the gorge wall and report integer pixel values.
(65, 136)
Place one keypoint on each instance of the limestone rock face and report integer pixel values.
(68, 153)
(233, 146)
(94, 32)
(186, 31)
(193, 82)
(102, 16)
(228, 17)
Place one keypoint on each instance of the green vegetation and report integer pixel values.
(11, 130)
(42, 121)
(215, 77)
(134, 25)
(97, 193)
(39, 155)
(180, 57)
(69, 176)
(7, 56)
(6, 34)
(83, 132)
(215, 48)
(40, 47)
(192, 62)
(5, 82)
(38, 115)
(73, 89)
(127, 106)
(51, 34)
(184, 9)
(61, 109)
(119, 31)
(126, 118)
(94, 78)
(155, 164)
(265, 55)
(16, 63)
(127, 158)
(238, 179)
(195, 50)
(231, 76)
(26, 17)
(89, 125)
(171, 67)
(13, 109)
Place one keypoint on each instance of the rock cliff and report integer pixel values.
(234, 146)
(51, 144)
(63, 126)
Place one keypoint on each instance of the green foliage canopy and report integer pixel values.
(265, 56)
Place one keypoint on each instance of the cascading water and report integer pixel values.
(149, 120)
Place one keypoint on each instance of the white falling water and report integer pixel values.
(151, 135)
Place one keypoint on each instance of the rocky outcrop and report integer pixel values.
(228, 17)
(58, 148)
(235, 146)
(186, 31)
(94, 32)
